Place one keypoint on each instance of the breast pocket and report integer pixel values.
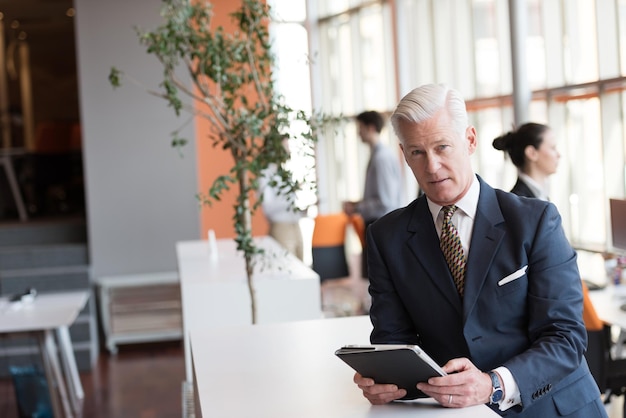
(515, 281)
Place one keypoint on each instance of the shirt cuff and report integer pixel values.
(512, 395)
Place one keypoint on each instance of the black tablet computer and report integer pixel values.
(402, 365)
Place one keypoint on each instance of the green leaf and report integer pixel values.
(231, 72)
(115, 77)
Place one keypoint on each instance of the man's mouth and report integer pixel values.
(438, 181)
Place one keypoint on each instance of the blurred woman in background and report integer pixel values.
(532, 148)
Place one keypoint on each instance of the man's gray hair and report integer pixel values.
(424, 102)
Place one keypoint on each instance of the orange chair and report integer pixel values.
(359, 227)
(328, 246)
(590, 316)
(609, 372)
(596, 339)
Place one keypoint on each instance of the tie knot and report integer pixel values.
(448, 211)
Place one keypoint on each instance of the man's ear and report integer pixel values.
(470, 136)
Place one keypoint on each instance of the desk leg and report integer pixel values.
(58, 392)
(69, 366)
(619, 344)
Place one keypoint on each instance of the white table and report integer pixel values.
(215, 293)
(608, 302)
(47, 315)
(289, 370)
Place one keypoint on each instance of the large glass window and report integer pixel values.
(356, 73)
(292, 79)
(575, 65)
(356, 54)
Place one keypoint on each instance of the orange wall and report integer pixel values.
(213, 162)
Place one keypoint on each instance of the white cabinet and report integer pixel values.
(140, 308)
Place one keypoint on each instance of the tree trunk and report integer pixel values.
(246, 223)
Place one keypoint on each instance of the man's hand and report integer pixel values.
(376, 393)
(465, 385)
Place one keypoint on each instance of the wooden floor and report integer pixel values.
(141, 381)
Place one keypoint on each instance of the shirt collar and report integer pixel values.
(468, 203)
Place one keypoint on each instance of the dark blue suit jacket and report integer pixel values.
(521, 189)
(532, 325)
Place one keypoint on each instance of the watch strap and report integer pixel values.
(497, 392)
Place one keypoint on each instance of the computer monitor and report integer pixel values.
(618, 223)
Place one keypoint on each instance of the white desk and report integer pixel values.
(607, 303)
(48, 313)
(215, 293)
(289, 370)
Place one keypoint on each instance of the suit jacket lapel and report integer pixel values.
(424, 243)
(486, 238)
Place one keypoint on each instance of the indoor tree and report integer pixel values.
(232, 88)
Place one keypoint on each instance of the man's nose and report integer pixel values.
(432, 163)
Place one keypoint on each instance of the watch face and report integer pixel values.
(496, 396)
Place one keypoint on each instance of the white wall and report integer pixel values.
(140, 193)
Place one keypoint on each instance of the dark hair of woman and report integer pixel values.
(515, 142)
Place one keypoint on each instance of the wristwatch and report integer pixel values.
(496, 388)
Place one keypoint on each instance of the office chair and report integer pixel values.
(608, 371)
(328, 246)
(358, 224)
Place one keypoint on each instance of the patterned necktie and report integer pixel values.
(452, 249)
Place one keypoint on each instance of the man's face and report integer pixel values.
(366, 132)
(439, 156)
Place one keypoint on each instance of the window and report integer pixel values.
(575, 65)
(356, 69)
(290, 42)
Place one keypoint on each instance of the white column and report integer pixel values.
(521, 88)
